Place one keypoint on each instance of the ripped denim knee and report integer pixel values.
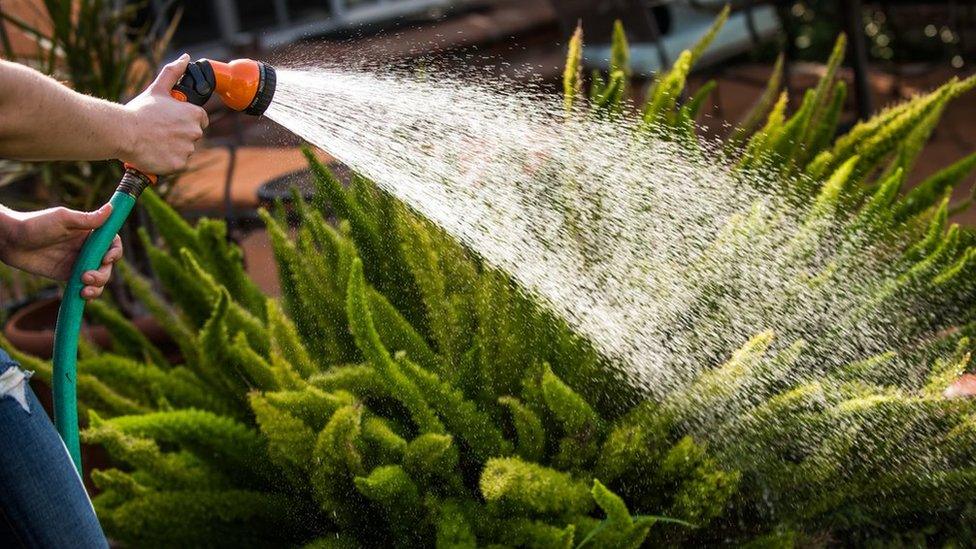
(13, 381)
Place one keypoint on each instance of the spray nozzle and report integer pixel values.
(242, 84)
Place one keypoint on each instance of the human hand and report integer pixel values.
(47, 242)
(162, 131)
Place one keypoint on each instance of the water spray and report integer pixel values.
(243, 85)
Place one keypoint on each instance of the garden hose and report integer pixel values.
(243, 85)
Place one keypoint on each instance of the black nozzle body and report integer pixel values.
(198, 82)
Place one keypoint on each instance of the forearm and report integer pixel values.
(40, 119)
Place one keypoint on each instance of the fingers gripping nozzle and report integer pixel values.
(243, 84)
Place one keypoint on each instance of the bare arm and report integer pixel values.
(40, 119)
(44, 120)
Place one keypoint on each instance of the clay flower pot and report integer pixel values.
(31, 329)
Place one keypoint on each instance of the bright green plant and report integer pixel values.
(403, 394)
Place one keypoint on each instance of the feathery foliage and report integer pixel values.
(402, 393)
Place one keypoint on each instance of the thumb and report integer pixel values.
(170, 75)
(88, 220)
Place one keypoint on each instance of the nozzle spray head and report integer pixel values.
(243, 84)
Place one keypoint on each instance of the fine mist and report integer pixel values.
(657, 252)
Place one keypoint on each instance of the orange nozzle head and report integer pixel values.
(244, 84)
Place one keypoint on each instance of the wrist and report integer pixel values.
(124, 134)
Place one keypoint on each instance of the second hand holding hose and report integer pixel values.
(243, 85)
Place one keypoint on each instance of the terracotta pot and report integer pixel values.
(31, 329)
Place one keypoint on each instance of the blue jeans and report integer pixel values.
(42, 498)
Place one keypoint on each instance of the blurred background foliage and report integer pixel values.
(896, 32)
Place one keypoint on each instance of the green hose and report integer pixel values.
(69, 317)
